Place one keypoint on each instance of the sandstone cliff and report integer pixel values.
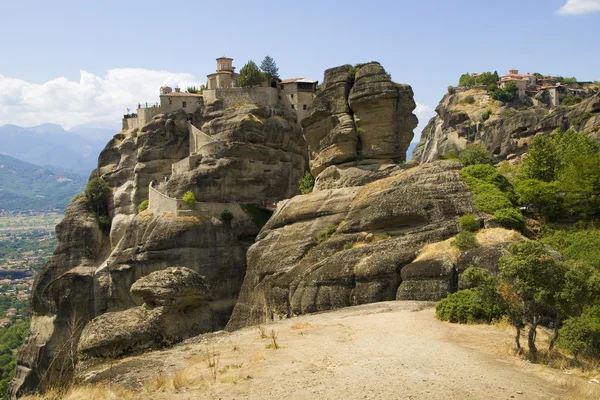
(360, 236)
(255, 154)
(506, 133)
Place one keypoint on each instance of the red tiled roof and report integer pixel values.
(182, 94)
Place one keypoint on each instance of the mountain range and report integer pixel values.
(75, 150)
(24, 186)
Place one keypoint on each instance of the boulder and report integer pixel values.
(176, 287)
(175, 307)
(481, 257)
(429, 280)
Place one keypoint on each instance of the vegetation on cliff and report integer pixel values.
(557, 185)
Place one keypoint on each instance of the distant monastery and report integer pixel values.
(296, 94)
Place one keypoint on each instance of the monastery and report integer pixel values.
(296, 94)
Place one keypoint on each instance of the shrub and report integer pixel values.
(306, 183)
(475, 154)
(451, 90)
(466, 240)
(580, 119)
(226, 216)
(486, 115)
(143, 206)
(469, 223)
(189, 198)
(360, 130)
(451, 155)
(570, 100)
(492, 201)
(352, 72)
(510, 218)
(466, 306)
(583, 245)
(469, 99)
(323, 236)
(581, 335)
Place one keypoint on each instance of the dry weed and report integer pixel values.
(301, 325)
(262, 331)
(273, 336)
(211, 358)
(96, 392)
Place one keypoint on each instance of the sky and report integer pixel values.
(86, 62)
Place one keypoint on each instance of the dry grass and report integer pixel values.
(372, 240)
(188, 378)
(578, 389)
(437, 250)
(301, 325)
(146, 213)
(96, 392)
(493, 236)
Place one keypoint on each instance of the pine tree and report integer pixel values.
(250, 75)
(269, 69)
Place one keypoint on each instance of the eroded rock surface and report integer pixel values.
(347, 246)
(359, 114)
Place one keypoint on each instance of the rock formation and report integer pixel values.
(506, 133)
(254, 154)
(359, 119)
(175, 308)
(356, 238)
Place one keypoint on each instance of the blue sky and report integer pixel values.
(86, 61)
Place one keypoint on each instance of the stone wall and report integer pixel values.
(160, 203)
(263, 96)
(145, 115)
(130, 123)
(197, 139)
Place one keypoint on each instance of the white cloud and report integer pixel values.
(93, 99)
(424, 113)
(579, 7)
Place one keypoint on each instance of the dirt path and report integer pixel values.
(393, 350)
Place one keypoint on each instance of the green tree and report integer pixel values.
(269, 69)
(474, 154)
(306, 183)
(466, 80)
(531, 274)
(250, 75)
(545, 196)
(542, 161)
(98, 192)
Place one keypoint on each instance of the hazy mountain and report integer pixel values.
(49, 144)
(25, 186)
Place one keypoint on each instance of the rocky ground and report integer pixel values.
(390, 350)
